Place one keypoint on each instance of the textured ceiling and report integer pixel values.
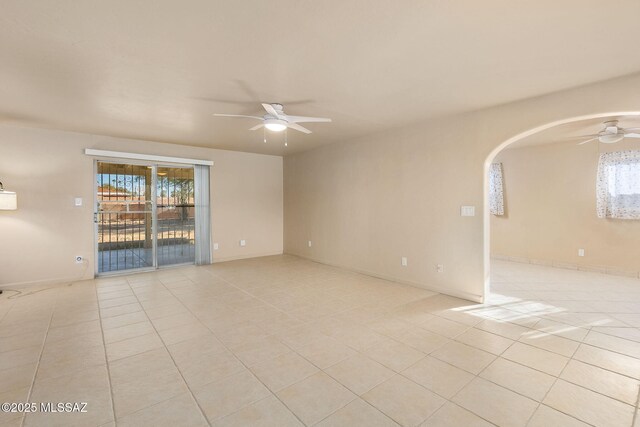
(158, 69)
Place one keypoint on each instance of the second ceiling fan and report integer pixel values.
(611, 133)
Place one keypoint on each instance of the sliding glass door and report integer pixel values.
(176, 216)
(144, 216)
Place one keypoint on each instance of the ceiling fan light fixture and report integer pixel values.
(275, 125)
(611, 138)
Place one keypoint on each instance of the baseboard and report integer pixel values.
(458, 294)
(43, 282)
(239, 257)
(63, 280)
(569, 266)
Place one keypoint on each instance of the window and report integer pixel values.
(496, 196)
(618, 186)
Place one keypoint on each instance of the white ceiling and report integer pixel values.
(158, 69)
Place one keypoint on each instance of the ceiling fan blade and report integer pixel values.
(632, 135)
(256, 127)
(238, 115)
(588, 140)
(272, 111)
(298, 128)
(583, 136)
(303, 119)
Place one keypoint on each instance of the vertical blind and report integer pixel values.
(203, 214)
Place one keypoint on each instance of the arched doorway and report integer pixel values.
(513, 140)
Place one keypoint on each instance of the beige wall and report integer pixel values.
(47, 169)
(551, 209)
(366, 203)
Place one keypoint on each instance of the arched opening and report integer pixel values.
(513, 140)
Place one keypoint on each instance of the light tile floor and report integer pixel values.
(279, 341)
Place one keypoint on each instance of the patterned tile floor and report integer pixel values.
(279, 341)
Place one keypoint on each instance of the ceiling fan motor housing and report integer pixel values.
(611, 126)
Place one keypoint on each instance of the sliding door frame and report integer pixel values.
(153, 164)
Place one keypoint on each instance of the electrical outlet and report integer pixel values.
(216, 246)
(404, 261)
(77, 201)
(79, 259)
(243, 242)
(580, 252)
(309, 243)
(439, 268)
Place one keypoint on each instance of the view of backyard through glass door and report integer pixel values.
(176, 216)
(145, 216)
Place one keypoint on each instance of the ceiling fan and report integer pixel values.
(276, 120)
(611, 133)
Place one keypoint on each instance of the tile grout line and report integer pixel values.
(357, 396)
(550, 388)
(635, 412)
(539, 403)
(465, 409)
(236, 357)
(369, 404)
(485, 379)
(13, 303)
(106, 357)
(170, 355)
(606, 369)
(395, 373)
(35, 375)
(223, 344)
(580, 343)
(37, 364)
(589, 330)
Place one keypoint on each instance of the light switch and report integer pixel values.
(467, 211)
(216, 246)
(309, 243)
(78, 201)
(403, 261)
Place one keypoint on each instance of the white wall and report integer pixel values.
(47, 169)
(367, 202)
